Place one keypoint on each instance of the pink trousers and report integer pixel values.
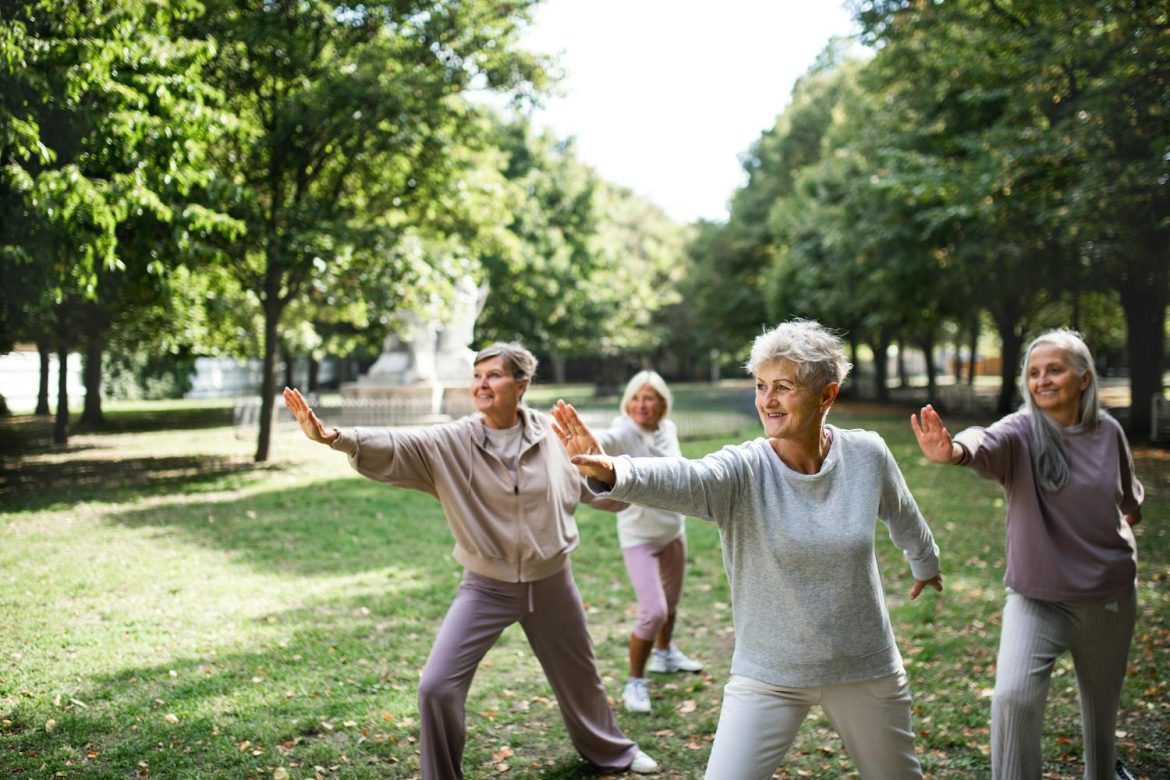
(656, 572)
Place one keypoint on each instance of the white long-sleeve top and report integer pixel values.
(644, 524)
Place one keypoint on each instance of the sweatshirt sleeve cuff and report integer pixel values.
(346, 441)
(925, 567)
(621, 468)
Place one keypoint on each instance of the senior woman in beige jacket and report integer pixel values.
(509, 492)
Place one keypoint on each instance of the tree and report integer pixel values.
(1071, 138)
(106, 118)
(346, 118)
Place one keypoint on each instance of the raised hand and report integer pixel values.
(933, 438)
(582, 446)
(308, 421)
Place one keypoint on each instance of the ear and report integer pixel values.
(829, 395)
(1086, 378)
(521, 387)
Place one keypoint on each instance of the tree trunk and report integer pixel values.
(927, 346)
(61, 423)
(1011, 331)
(45, 356)
(903, 377)
(272, 311)
(91, 414)
(1143, 300)
(974, 351)
(314, 383)
(290, 379)
(957, 366)
(558, 362)
(881, 373)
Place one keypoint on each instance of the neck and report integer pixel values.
(1065, 418)
(501, 420)
(806, 455)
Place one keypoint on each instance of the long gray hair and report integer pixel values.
(1049, 458)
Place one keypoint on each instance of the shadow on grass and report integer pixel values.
(338, 526)
(30, 434)
(33, 486)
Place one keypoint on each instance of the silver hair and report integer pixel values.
(819, 354)
(1049, 458)
(640, 380)
(517, 358)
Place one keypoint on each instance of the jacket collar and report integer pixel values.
(534, 427)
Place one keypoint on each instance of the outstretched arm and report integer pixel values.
(582, 445)
(933, 439)
(308, 421)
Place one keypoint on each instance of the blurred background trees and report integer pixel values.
(288, 179)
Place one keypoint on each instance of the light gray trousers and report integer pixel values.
(759, 721)
(1035, 634)
(553, 618)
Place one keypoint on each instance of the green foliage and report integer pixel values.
(348, 156)
(146, 375)
(589, 263)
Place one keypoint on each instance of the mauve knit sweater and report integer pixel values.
(1071, 544)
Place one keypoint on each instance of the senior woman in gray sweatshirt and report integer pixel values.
(797, 511)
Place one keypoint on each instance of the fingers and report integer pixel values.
(919, 585)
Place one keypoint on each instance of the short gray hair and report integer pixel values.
(819, 354)
(1049, 458)
(640, 380)
(517, 358)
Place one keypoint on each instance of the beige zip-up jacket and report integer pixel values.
(518, 530)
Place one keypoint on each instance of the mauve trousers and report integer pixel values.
(553, 618)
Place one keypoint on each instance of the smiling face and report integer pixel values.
(496, 392)
(788, 409)
(646, 408)
(1054, 384)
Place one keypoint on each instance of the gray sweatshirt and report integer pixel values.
(807, 599)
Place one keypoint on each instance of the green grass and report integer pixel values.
(169, 610)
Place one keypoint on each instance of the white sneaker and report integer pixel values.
(637, 698)
(671, 661)
(644, 765)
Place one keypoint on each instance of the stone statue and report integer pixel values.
(428, 359)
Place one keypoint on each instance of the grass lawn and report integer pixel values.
(170, 610)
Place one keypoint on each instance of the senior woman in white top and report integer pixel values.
(796, 511)
(509, 494)
(654, 542)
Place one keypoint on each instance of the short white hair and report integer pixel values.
(819, 354)
(640, 380)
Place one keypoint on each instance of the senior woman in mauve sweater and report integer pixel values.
(796, 511)
(509, 493)
(1072, 497)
